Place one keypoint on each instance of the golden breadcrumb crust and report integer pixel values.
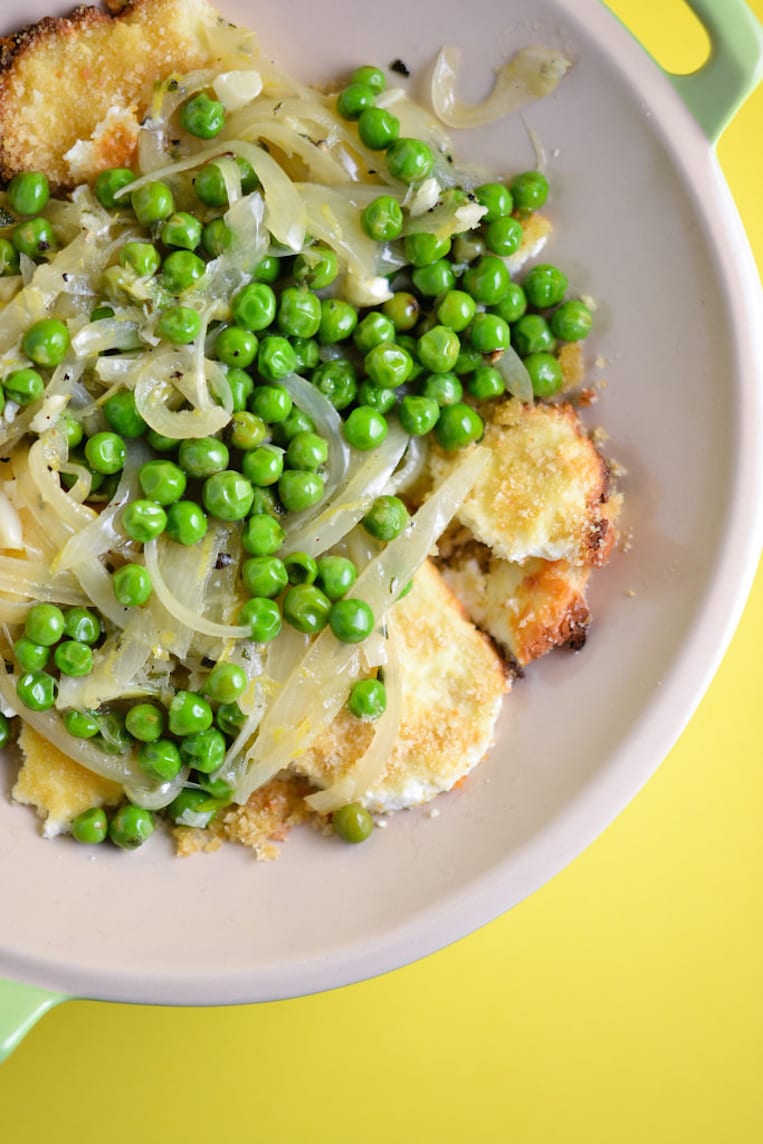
(60, 78)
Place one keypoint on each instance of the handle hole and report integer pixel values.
(677, 40)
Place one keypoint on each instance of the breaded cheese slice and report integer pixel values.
(89, 77)
(56, 786)
(545, 491)
(528, 609)
(453, 682)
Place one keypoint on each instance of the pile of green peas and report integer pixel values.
(427, 357)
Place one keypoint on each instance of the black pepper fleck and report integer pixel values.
(399, 67)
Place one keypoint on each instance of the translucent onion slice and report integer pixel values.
(370, 767)
(142, 793)
(320, 683)
(34, 579)
(328, 424)
(106, 334)
(58, 515)
(414, 464)
(188, 614)
(119, 768)
(11, 532)
(151, 402)
(529, 75)
(333, 220)
(514, 373)
(367, 478)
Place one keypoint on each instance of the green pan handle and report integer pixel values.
(21, 1006)
(715, 92)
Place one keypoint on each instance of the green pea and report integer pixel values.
(504, 236)
(28, 192)
(487, 280)
(254, 306)
(512, 305)
(72, 430)
(272, 403)
(81, 724)
(268, 269)
(365, 428)
(181, 229)
(131, 585)
(160, 759)
(532, 334)
(189, 712)
(106, 453)
(434, 280)
(444, 388)
(368, 699)
(37, 690)
(30, 656)
(122, 415)
(418, 415)
(204, 750)
(73, 658)
(379, 399)
(467, 361)
(335, 576)
(300, 489)
(545, 286)
(181, 270)
(202, 116)
(262, 535)
(438, 349)
(486, 383)
(489, 333)
(216, 237)
(10, 262)
(351, 621)
(459, 425)
(316, 267)
(530, 190)
(299, 313)
(241, 387)
(114, 739)
(162, 481)
(338, 320)
(209, 183)
(100, 312)
(152, 202)
(194, 808)
(370, 76)
(571, 321)
(236, 346)
(301, 568)
(142, 257)
(403, 310)
(378, 128)
(108, 183)
(382, 219)
(34, 237)
(307, 451)
(497, 198)
(423, 249)
(388, 365)
(203, 456)
(227, 495)
(91, 826)
(44, 624)
(131, 826)
(263, 465)
(386, 518)
(352, 823)
(354, 99)
(143, 520)
(545, 374)
(46, 342)
(230, 718)
(374, 330)
(262, 617)
(275, 360)
(83, 625)
(456, 310)
(24, 386)
(247, 430)
(409, 160)
(296, 422)
(145, 722)
(337, 380)
(306, 608)
(264, 576)
(179, 325)
(186, 522)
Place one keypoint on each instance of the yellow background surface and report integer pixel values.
(621, 1004)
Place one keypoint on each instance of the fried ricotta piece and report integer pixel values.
(453, 682)
(73, 90)
(528, 609)
(545, 492)
(56, 786)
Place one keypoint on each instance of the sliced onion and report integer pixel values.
(514, 373)
(318, 686)
(333, 220)
(34, 579)
(415, 462)
(188, 614)
(328, 424)
(57, 514)
(529, 75)
(11, 533)
(105, 334)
